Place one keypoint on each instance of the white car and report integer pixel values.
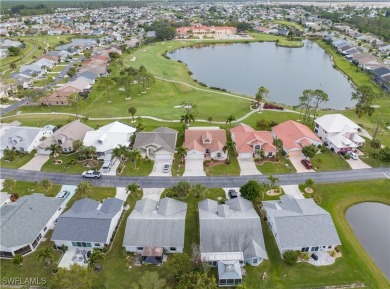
(167, 168)
(354, 156)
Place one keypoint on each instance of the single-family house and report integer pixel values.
(65, 136)
(154, 227)
(230, 236)
(158, 144)
(300, 225)
(250, 143)
(205, 143)
(88, 223)
(24, 139)
(295, 136)
(108, 137)
(25, 222)
(338, 132)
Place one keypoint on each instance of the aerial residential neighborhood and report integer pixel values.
(194, 145)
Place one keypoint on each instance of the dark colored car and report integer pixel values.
(307, 164)
(314, 256)
(232, 194)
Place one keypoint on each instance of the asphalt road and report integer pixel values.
(212, 182)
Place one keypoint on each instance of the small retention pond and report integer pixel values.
(371, 224)
(285, 72)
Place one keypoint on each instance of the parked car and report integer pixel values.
(91, 174)
(308, 165)
(232, 194)
(167, 168)
(353, 156)
(314, 256)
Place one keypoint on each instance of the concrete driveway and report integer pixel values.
(194, 168)
(152, 193)
(36, 163)
(248, 167)
(357, 164)
(159, 166)
(293, 190)
(296, 162)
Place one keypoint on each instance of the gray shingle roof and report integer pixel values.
(301, 223)
(236, 231)
(164, 138)
(22, 220)
(86, 222)
(159, 226)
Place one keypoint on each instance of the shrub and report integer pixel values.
(227, 161)
(347, 156)
(290, 257)
(17, 259)
(316, 198)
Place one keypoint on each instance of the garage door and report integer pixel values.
(194, 156)
(295, 153)
(245, 155)
(163, 157)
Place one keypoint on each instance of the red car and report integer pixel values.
(307, 164)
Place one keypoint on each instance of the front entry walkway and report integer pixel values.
(36, 163)
(248, 167)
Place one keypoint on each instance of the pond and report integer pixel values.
(371, 224)
(285, 72)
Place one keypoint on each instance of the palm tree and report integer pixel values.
(132, 188)
(229, 146)
(134, 156)
(132, 110)
(46, 255)
(273, 180)
(55, 151)
(46, 185)
(95, 260)
(120, 152)
(199, 191)
(9, 154)
(74, 100)
(182, 152)
(84, 189)
(9, 184)
(90, 151)
(230, 119)
(77, 145)
(261, 94)
(187, 118)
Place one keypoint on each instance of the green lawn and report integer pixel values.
(273, 168)
(178, 166)
(329, 161)
(67, 167)
(31, 267)
(289, 23)
(143, 168)
(57, 68)
(23, 188)
(290, 43)
(353, 267)
(20, 160)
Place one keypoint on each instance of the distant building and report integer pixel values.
(205, 31)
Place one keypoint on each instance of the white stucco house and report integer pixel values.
(300, 225)
(25, 222)
(88, 224)
(108, 137)
(338, 132)
(205, 143)
(24, 139)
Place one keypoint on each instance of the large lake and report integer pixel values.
(285, 72)
(371, 224)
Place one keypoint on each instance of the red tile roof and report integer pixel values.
(194, 139)
(294, 134)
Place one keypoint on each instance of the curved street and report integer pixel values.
(212, 182)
